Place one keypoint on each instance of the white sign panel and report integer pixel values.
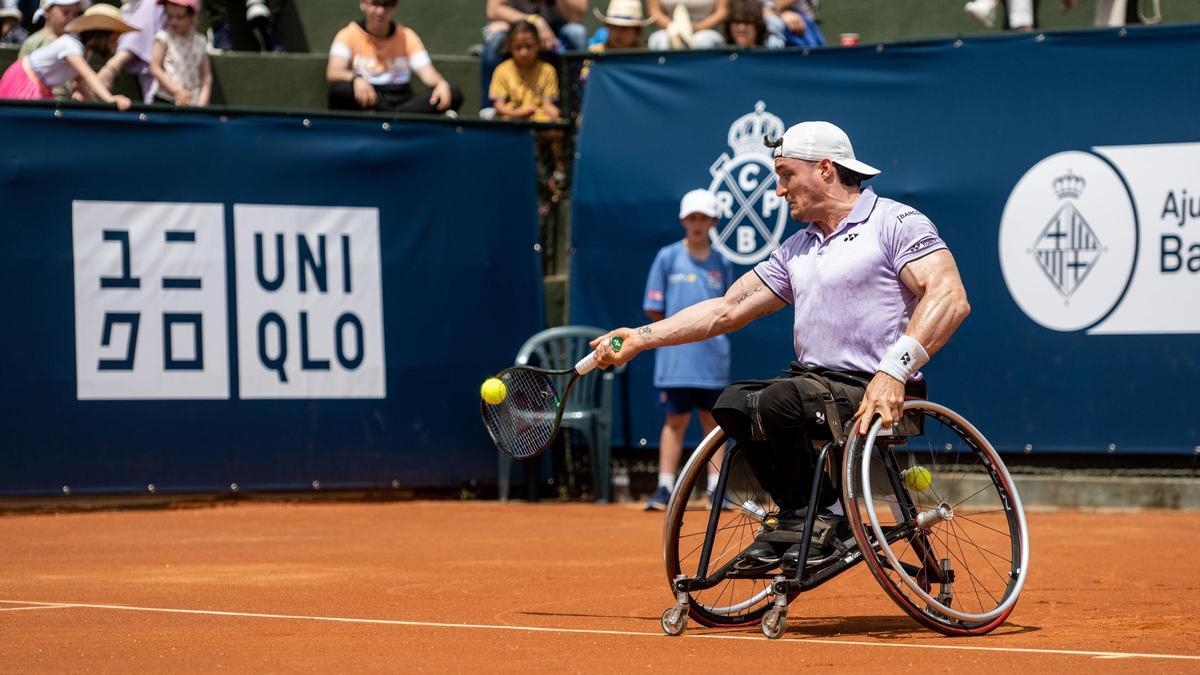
(1107, 241)
(150, 303)
(309, 302)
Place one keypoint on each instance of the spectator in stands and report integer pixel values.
(135, 50)
(524, 87)
(262, 15)
(1020, 13)
(12, 33)
(372, 61)
(747, 27)
(794, 22)
(688, 377)
(622, 26)
(687, 24)
(180, 60)
(58, 13)
(93, 34)
(558, 30)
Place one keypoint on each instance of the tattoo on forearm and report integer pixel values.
(747, 294)
(644, 332)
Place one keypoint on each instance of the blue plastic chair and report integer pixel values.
(589, 410)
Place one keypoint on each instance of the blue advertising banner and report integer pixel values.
(198, 301)
(1062, 169)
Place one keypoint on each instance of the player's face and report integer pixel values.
(697, 225)
(622, 37)
(798, 181)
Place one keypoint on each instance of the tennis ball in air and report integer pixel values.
(917, 478)
(493, 391)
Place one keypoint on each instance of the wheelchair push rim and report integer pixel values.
(934, 531)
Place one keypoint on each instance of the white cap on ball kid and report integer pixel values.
(814, 141)
(698, 201)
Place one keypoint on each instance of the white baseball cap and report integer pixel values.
(814, 141)
(41, 11)
(698, 201)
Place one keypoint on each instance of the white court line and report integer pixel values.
(591, 631)
(17, 609)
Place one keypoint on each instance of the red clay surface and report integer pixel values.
(1118, 584)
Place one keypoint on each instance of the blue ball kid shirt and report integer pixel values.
(677, 280)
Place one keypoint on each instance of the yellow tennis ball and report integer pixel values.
(493, 391)
(918, 478)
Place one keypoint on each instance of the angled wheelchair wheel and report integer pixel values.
(732, 601)
(939, 520)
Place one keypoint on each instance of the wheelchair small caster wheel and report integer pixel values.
(774, 623)
(674, 621)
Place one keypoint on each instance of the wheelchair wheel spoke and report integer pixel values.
(975, 583)
(972, 495)
(1007, 561)
(971, 541)
(986, 527)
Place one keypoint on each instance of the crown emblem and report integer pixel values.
(747, 132)
(1069, 185)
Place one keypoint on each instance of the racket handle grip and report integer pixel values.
(588, 363)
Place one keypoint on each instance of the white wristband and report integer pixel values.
(903, 359)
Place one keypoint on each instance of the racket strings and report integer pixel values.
(523, 424)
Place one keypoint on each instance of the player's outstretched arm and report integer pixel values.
(748, 299)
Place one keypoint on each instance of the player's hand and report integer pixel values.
(606, 356)
(440, 96)
(122, 102)
(364, 93)
(885, 395)
(794, 22)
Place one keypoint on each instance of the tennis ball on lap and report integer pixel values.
(493, 391)
(917, 478)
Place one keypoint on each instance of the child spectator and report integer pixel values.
(524, 87)
(58, 13)
(687, 24)
(180, 60)
(371, 63)
(93, 34)
(748, 28)
(689, 377)
(558, 26)
(622, 26)
(12, 34)
(622, 29)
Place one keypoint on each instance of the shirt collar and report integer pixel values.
(863, 207)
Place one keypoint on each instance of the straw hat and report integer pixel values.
(100, 17)
(623, 13)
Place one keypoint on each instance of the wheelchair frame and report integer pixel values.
(812, 575)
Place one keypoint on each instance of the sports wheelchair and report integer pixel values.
(930, 508)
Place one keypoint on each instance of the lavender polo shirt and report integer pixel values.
(851, 305)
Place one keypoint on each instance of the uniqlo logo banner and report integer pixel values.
(152, 311)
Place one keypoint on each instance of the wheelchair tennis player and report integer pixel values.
(875, 292)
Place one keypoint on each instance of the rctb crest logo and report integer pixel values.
(1068, 241)
(752, 217)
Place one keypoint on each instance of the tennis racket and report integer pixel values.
(526, 421)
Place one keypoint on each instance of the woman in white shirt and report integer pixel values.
(687, 24)
(65, 59)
